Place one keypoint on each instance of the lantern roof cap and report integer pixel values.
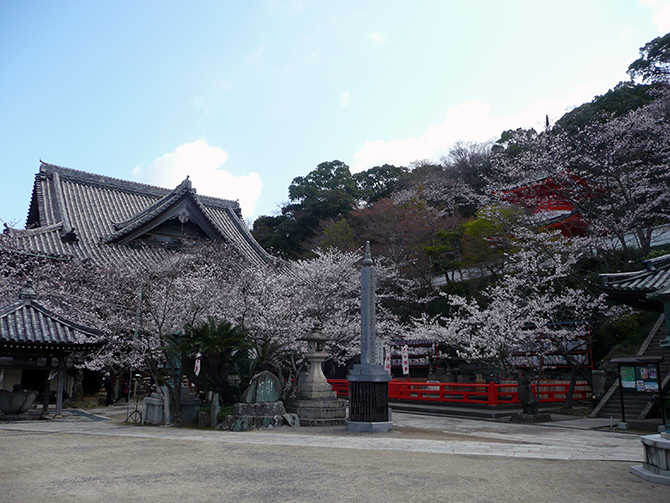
(316, 334)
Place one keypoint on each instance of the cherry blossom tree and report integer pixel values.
(278, 305)
(140, 311)
(525, 311)
(613, 173)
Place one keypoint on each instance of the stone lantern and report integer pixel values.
(316, 403)
(316, 386)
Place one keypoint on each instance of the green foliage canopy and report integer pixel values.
(653, 65)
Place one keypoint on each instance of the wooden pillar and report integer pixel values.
(59, 386)
(45, 400)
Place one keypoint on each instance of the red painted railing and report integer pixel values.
(472, 392)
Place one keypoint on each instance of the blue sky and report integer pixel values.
(245, 96)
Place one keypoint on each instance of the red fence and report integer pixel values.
(472, 392)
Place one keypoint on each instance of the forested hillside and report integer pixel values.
(510, 232)
(606, 158)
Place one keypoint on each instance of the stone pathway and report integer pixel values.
(573, 439)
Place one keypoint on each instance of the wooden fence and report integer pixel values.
(480, 393)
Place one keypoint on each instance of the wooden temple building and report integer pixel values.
(547, 200)
(108, 221)
(36, 343)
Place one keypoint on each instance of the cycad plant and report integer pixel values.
(224, 350)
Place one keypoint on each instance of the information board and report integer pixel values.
(639, 378)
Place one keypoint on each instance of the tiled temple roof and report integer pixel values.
(636, 287)
(78, 214)
(26, 325)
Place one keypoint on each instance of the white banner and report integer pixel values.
(197, 364)
(379, 351)
(387, 361)
(405, 359)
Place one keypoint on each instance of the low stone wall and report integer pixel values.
(248, 416)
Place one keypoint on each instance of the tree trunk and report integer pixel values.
(571, 391)
(174, 388)
(577, 369)
(529, 402)
(78, 386)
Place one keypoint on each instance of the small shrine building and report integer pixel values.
(35, 344)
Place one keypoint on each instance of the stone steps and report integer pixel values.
(637, 405)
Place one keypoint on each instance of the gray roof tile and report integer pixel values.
(27, 323)
(101, 209)
(655, 276)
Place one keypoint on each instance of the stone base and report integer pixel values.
(16, 402)
(328, 412)
(249, 416)
(318, 395)
(316, 391)
(323, 422)
(245, 423)
(520, 417)
(153, 410)
(656, 467)
(644, 472)
(382, 427)
(259, 409)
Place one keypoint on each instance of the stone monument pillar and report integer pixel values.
(368, 381)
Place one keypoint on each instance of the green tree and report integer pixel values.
(280, 235)
(446, 252)
(624, 98)
(486, 238)
(653, 65)
(511, 142)
(378, 182)
(327, 192)
(328, 178)
(337, 233)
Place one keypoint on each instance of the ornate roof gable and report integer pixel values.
(78, 214)
(181, 204)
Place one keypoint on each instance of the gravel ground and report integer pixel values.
(74, 467)
(155, 464)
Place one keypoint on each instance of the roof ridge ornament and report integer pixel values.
(185, 184)
(27, 291)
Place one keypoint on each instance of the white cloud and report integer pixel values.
(377, 39)
(345, 98)
(202, 164)
(627, 31)
(469, 121)
(661, 18)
